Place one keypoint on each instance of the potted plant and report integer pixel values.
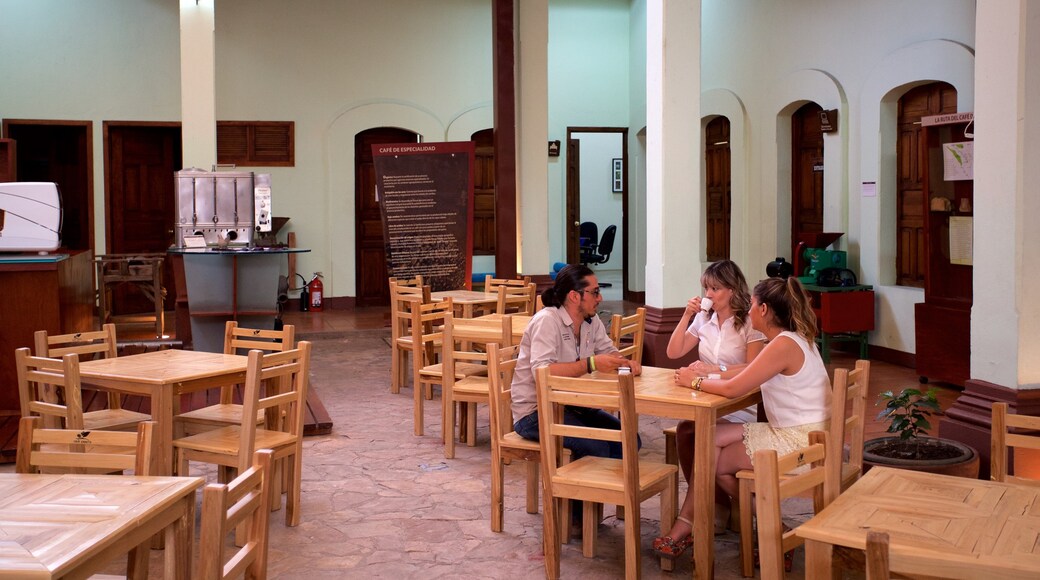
(907, 415)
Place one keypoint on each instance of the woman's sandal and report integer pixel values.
(667, 547)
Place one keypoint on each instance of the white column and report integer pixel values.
(198, 84)
(532, 116)
(673, 162)
(1005, 319)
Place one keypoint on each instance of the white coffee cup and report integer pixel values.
(706, 304)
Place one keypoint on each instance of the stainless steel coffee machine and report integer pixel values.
(225, 207)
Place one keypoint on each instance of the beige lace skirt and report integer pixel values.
(759, 436)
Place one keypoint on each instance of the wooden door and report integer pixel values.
(806, 172)
(369, 247)
(931, 99)
(717, 178)
(484, 193)
(60, 151)
(573, 200)
(141, 159)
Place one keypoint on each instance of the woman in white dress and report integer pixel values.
(796, 393)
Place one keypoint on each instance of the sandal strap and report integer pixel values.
(683, 518)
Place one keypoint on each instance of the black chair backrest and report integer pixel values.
(606, 244)
(589, 230)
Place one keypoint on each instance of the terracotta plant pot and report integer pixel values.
(964, 463)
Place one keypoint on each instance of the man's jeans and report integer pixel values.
(527, 427)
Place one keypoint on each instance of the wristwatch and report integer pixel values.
(722, 368)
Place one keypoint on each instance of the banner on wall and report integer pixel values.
(425, 194)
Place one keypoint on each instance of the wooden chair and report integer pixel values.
(401, 292)
(597, 480)
(238, 504)
(234, 445)
(50, 388)
(461, 338)
(90, 346)
(634, 326)
(85, 451)
(1004, 436)
(425, 324)
(848, 390)
(80, 451)
(516, 299)
(237, 340)
(491, 286)
(775, 483)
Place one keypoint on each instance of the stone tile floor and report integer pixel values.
(379, 502)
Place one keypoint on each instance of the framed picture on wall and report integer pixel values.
(618, 178)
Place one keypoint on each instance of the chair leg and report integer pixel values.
(471, 426)
(292, 501)
(448, 428)
(747, 531)
(497, 476)
(633, 551)
(589, 527)
(668, 512)
(395, 370)
(533, 469)
(551, 532)
(419, 412)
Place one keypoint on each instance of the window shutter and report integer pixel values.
(256, 143)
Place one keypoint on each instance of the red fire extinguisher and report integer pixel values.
(314, 288)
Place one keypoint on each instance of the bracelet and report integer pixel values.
(592, 364)
(696, 384)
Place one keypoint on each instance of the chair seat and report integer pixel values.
(515, 441)
(220, 414)
(605, 473)
(112, 419)
(224, 441)
(462, 370)
(471, 388)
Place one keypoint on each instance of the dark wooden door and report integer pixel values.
(931, 99)
(806, 172)
(717, 177)
(141, 159)
(369, 246)
(573, 200)
(484, 193)
(60, 151)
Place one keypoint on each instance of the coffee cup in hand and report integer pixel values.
(706, 304)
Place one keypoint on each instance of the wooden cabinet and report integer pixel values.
(844, 314)
(53, 293)
(942, 321)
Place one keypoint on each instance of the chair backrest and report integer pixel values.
(39, 381)
(416, 282)
(400, 310)
(492, 284)
(849, 396)
(241, 340)
(284, 408)
(589, 231)
(501, 366)
(612, 395)
(774, 483)
(224, 506)
(78, 451)
(425, 326)
(466, 340)
(877, 556)
(606, 244)
(1005, 437)
(87, 345)
(516, 299)
(634, 326)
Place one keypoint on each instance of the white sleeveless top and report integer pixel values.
(802, 398)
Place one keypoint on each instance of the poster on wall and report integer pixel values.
(425, 194)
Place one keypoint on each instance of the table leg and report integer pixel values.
(818, 557)
(162, 413)
(704, 493)
(179, 540)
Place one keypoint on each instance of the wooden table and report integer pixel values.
(938, 525)
(467, 299)
(658, 395)
(71, 526)
(163, 376)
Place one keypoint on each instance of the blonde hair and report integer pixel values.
(790, 304)
(727, 274)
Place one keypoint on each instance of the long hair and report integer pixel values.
(571, 277)
(727, 274)
(790, 304)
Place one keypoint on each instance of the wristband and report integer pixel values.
(696, 384)
(592, 364)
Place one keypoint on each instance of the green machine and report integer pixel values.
(812, 256)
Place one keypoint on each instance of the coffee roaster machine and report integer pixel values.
(230, 209)
(815, 264)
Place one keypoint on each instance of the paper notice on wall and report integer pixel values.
(961, 240)
(959, 161)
